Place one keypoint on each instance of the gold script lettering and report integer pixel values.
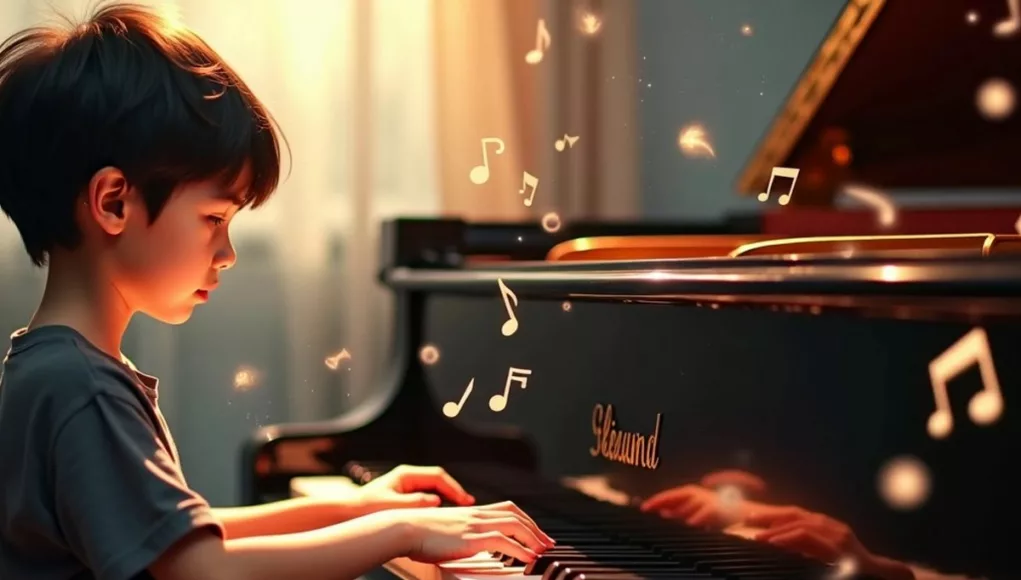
(627, 447)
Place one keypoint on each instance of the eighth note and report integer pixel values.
(511, 326)
(788, 172)
(985, 406)
(1012, 23)
(499, 402)
(451, 409)
(528, 180)
(567, 141)
(535, 55)
(480, 173)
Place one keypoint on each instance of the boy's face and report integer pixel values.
(167, 268)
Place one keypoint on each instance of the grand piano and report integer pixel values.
(861, 369)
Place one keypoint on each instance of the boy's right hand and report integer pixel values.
(443, 534)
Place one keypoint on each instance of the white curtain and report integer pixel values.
(350, 82)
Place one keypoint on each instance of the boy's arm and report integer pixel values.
(343, 551)
(286, 517)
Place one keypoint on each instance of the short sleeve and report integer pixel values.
(120, 498)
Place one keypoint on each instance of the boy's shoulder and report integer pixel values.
(55, 370)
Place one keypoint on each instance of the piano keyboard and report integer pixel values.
(598, 540)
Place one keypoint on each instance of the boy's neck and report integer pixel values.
(76, 296)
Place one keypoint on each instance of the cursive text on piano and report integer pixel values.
(629, 448)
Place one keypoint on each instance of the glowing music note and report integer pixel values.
(480, 173)
(1010, 25)
(535, 55)
(527, 179)
(451, 409)
(334, 361)
(788, 172)
(986, 406)
(566, 141)
(499, 402)
(511, 326)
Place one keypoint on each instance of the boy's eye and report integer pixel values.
(216, 220)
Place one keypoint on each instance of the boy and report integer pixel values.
(126, 148)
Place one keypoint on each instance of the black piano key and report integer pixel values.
(543, 562)
(560, 570)
(583, 575)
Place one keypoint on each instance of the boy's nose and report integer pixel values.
(225, 257)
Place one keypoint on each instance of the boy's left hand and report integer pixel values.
(407, 486)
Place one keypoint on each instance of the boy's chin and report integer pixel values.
(175, 316)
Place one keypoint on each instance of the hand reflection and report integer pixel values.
(823, 538)
(720, 500)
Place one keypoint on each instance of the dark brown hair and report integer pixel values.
(124, 89)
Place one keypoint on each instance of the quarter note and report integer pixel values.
(788, 172)
(567, 141)
(480, 173)
(535, 55)
(514, 375)
(986, 406)
(529, 180)
(1010, 25)
(452, 409)
(511, 326)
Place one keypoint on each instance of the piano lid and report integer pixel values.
(902, 94)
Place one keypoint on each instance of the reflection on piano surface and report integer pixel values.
(778, 379)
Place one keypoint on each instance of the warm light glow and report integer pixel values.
(429, 354)
(747, 30)
(551, 222)
(245, 379)
(995, 99)
(845, 569)
(694, 143)
(566, 306)
(972, 17)
(588, 23)
(890, 273)
(904, 483)
(842, 155)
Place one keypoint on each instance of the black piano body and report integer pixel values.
(811, 372)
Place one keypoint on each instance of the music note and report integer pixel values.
(334, 361)
(480, 173)
(788, 172)
(511, 326)
(567, 141)
(535, 55)
(986, 406)
(451, 409)
(1010, 25)
(528, 180)
(514, 375)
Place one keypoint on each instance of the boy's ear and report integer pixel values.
(108, 200)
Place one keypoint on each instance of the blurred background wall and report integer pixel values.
(385, 103)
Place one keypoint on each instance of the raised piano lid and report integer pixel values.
(889, 101)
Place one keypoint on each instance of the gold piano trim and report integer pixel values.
(647, 247)
(982, 244)
(679, 247)
(810, 92)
